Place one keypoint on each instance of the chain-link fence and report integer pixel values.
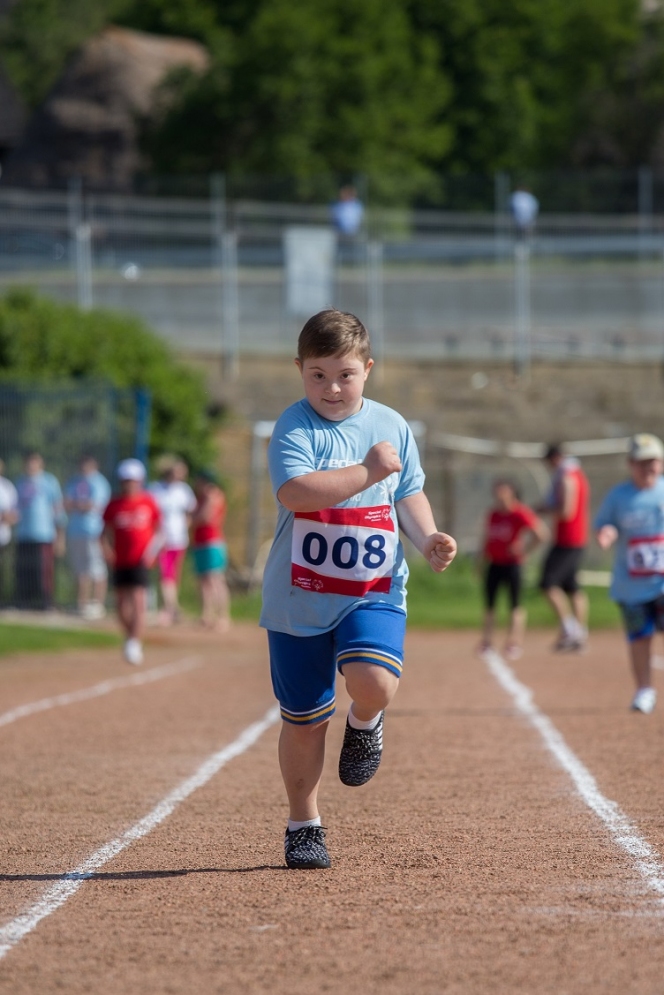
(225, 275)
(61, 423)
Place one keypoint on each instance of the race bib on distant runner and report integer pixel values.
(645, 557)
(344, 550)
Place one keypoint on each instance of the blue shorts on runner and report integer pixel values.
(643, 620)
(303, 668)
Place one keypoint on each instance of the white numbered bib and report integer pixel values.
(344, 550)
(645, 557)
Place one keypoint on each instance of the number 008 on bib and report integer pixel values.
(344, 550)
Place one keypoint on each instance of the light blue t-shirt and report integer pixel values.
(39, 508)
(92, 487)
(315, 557)
(638, 565)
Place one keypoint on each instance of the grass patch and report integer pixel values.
(30, 639)
(453, 600)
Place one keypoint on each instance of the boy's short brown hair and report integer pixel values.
(333, 333)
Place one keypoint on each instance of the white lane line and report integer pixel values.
(626, 835)
(55, 896)
(97, 690)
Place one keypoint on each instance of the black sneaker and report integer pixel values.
(305, 848)
(360, 755)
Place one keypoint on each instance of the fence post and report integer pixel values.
(523, 330)
(376, 308)
(143, 416)
(501, 192)
(74, 214)
(231, 306)
(645, 204)
(84, 265)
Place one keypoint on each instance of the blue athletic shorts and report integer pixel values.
(303, 668)
(644, 620)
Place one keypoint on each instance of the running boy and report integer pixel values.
(512, 531)
(346, 474)
(632, 516)
(131, 541)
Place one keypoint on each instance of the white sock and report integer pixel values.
(570, 627)
(293, 825)
(355, 723)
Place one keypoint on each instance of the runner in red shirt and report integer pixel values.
(569, 503)
(512, 531)
(131, 542)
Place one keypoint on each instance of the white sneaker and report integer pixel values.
(133, 652)
(93, 610)
(644, 700)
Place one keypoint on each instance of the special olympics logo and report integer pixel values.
(317, 585)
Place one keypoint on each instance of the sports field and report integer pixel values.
(509, 843)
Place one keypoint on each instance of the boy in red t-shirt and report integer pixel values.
(131, 541)
(512, 531)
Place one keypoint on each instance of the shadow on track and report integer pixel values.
(141, 875)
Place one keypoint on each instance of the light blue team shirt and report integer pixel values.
(638, 565)
(87, 487)
(39, 507)
(304, 442)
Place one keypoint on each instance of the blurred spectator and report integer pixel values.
(511, 532)
(39, 534)
(347, 212)
(210, 552)
(176, 502)
(130, 541)
(86, 496)
(569, 504)
(525, 208)
(8, 517)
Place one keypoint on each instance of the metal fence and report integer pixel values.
(216, 276)
(62, 423)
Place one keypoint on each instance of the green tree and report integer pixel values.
(43, 341)
(314, 87)
(521, 72)
(38, 37)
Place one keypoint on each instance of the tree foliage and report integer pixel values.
(41, 341)
(392, 88)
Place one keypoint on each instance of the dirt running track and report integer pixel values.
(470, 864)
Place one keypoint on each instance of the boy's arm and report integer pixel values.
(606, 532)
(107, 544)
(416, 521)
(325, 488)
(606, 535)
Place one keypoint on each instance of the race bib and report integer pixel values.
(645, 557)
(344, 550)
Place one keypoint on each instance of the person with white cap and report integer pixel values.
(131, 542)
(631, 516)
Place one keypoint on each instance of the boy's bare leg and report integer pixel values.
(487, 628)
(132, 603)
(125, 607)
(370, 687)
(169, 594)
(517, 627)
(560, 604)
(99, 590)
(580, 608)
(639, 653)
(301, 757)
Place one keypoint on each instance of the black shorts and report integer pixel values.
(560, 568)
(131, 576)
(499, 575)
